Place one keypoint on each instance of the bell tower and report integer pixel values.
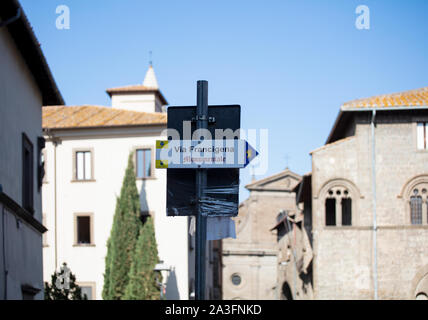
(145, 97)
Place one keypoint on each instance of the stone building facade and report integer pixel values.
(368, 198)
(250, 261)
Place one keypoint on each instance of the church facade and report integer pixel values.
(367, 197)
(250, 262)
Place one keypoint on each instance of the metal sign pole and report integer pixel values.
(201, 182)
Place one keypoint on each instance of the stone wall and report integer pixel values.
(343, 262)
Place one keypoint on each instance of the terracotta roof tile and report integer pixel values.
(416, 97)
(61, 117)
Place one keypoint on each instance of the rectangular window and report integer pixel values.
(43, 166)
(27, 174)
(83, 165)
(144, 163)
(88, 289)
(83, 229)
(346, 212)
(330, 212)
(40, 161)
(422, 135)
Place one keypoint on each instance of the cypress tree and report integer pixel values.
(123, 237)
(106, 287)
(143, 279)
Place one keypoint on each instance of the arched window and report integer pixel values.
(338, 206)
(415, 192)
(416, 208)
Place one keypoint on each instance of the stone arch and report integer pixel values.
(339, 182)
(411, 183)
(420, 283)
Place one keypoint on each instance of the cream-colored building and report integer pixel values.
(250, 262)
(367, 197)
(26, 84)
(86, 156)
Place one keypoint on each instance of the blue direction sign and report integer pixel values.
(205, 154)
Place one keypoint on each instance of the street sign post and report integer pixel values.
(181, 187)
(201, 182)
(203, 174)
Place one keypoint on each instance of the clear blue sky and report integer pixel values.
(289, 64)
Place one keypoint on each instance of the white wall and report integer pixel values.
(20, 111)
(23, 252)
(110, 150)
(142, 102)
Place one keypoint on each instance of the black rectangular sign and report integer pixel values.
(222, 191)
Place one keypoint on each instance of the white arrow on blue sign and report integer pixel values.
(208, 154)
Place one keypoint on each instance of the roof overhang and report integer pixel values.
(260, 185)
(345, 113)
(27, 44)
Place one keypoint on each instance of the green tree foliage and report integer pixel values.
(123, 237)
(142, 278)
(63, 286)
(106, 287)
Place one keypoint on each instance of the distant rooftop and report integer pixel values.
(68, 117)
(411, 98)
(150, 85)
